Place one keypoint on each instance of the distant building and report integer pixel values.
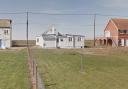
(5, 33)
(115, 33)
(54, 39)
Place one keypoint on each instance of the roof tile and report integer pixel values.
(122, 24)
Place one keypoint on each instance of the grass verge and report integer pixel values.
(67, 69)
(13, 70)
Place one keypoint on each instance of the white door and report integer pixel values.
(126, 42)
(122, 42)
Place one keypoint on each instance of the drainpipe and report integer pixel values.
(57, 41)
(73, 41)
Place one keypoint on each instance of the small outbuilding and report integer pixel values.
(5, 33)
(54, 39)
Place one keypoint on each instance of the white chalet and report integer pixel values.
(54, 39)
(5, 33)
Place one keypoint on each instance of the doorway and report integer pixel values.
(109, 42)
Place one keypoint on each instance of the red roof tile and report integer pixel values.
(122, 24)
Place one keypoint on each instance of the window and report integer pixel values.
(5, 32)
(61, 39)
(107, 33)
(70, 38)
(123, 31)
(79, 39)
(37, 40)
(44, 44)
(126, 31)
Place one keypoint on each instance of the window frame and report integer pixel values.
(70, 39)
(6, 32)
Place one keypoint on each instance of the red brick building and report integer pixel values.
(115, 33)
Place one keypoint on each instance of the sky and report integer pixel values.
(71, 24)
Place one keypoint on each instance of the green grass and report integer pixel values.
(89, 43)
(61, 69)
(13, 70)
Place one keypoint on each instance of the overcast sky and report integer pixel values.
(72, 24)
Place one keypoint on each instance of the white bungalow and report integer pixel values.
(54, 39)
(5, 33)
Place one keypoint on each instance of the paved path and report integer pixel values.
(40, 82)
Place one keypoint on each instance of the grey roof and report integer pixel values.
(59, 34)
(75, 35)
(49, 37)
(53, 37)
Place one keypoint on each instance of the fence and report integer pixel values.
(33, 70)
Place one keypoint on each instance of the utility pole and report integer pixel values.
(94, 29)
(27, 31)
(31, 62)
(28, 49)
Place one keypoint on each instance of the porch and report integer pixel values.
(105, 41)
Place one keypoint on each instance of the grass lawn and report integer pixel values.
(13, 70)
(89, 43)
(70, 69)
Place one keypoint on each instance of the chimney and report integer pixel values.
(53, 30)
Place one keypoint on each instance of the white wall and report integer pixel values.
(45, 44)
(80, 43)
(6, 38)
(49, 44)
(122, 42)
(66, 43)
(40, 42)
(126, 42)
(61, 44)
(70, 44)
(107, 33)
